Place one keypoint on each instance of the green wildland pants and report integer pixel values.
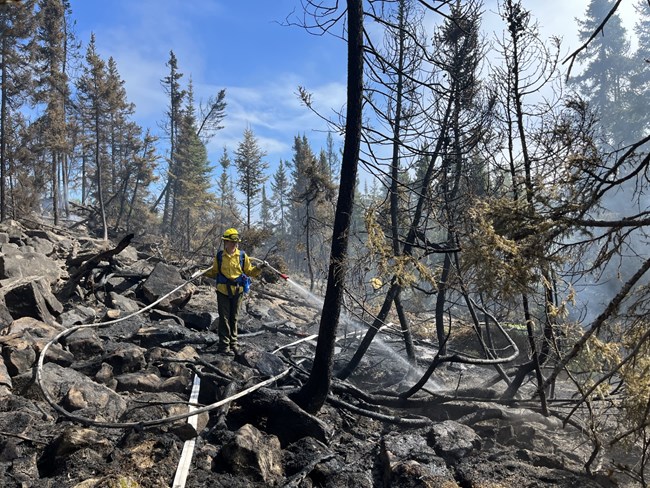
(228, 308)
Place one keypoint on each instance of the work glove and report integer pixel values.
(263, 264)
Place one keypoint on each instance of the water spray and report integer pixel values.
(280, 274)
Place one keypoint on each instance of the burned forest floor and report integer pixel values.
(110, 377)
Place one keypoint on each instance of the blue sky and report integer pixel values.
(240, 45)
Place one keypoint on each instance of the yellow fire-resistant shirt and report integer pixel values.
(231, 269)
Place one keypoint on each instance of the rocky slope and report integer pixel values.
(100, 351)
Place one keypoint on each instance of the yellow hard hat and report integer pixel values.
(231, 235)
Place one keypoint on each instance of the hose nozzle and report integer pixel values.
(280, 274)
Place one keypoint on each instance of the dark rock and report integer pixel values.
(252, 454)
(79, 315)
(13, 229)
(187, 430)
(408, 461)
(5, 378)
(505, 468)
(157, 333)
(16, 426)
(197, 320)
(27, 265)
(142, 381)
(36, 328)
(25, 338)
(169, 362)
(336, 473)
(303, 454)
(128, 358)
(24, 470)
(102, 402)
(157, 315)
(162, 280)
(84, 343)
(127, 257)
(452, 440)
(126, 329)
(9, 449)
(31, 298)
(266, 363)
(105, 376)
(176, 384)
(123, 303)
(41, 245)
(18, 354)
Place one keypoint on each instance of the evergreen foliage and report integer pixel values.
(605, 77)
(251, 170)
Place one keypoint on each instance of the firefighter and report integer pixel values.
(232, 271)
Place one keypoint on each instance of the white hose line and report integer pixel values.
(185, 461)
(304, 339)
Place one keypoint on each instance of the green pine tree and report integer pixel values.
(251, 170)
(604, 81)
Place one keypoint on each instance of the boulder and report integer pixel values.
(157, 315)
(123, 303)
(31, 297)
(102, 402)
(105, 376)
(25, 338)
(38, 329)
(41, 245)
(128, 358)
(142, 381)
(408, 461)
(13, 229)
(84, 343)
(78, 315)
(157, 333)
(266, 363)
(176, 384)
(18, 354)
(126, 329)
(252, 454)
(169, 362)
(27, 264)
(452, 440)
(197, 320)
(163, 279)
(127, 257)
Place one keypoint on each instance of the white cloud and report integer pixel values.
(275, 115)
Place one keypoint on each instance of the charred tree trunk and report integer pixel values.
(313, 394)
(406, 329)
